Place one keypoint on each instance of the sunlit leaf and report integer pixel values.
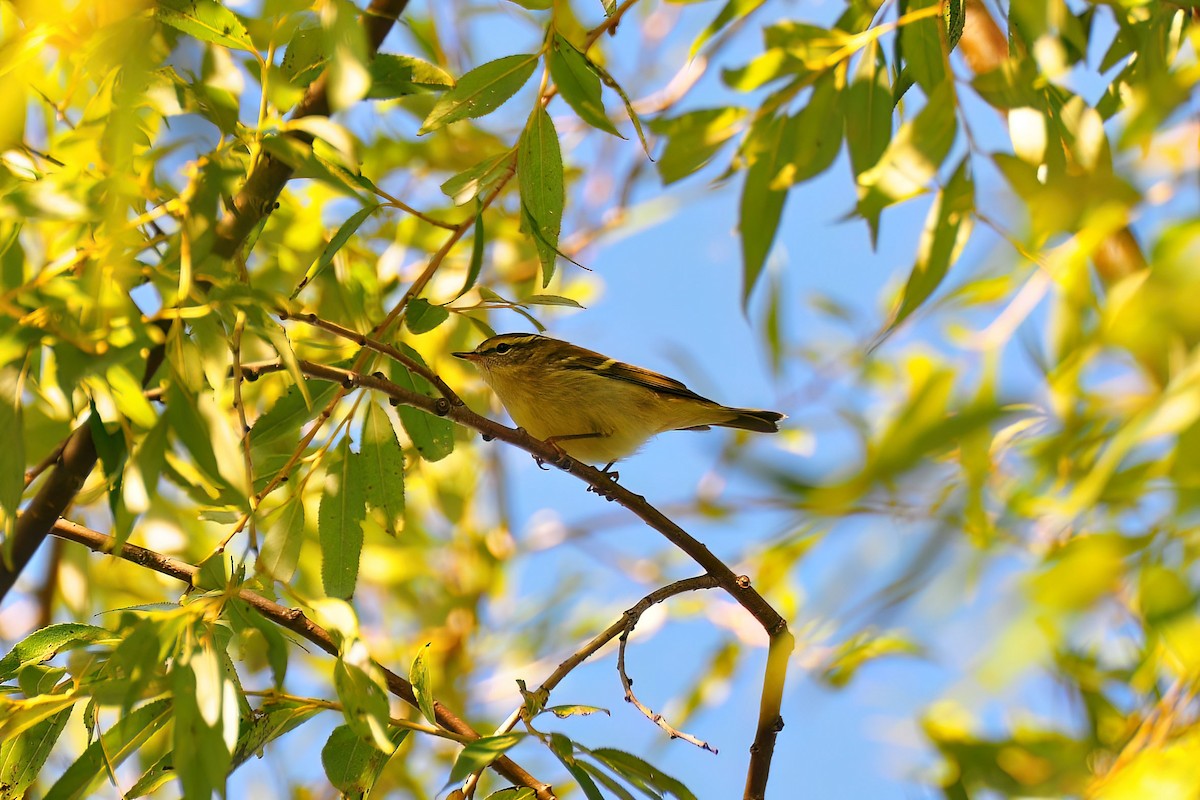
(352, 763)
(118, 742)
(481, 178)
(813, 135)
(693, 138)
(418, 676)
(912, 158)
(22, 757)
(339, 522)
(921, 43)
(579, 84)
(383, 468)
(347, 229)
(432, 436)
(731, 11)
(867, 103)
(540, 170)
(44, 643)
(421, 316)
(481, 91)
(206, 20)
(480, 753)
(280, 552)
(12, 457)
(947, 229)
(761, 206)
(397, 76)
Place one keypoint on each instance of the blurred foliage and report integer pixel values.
(450, 179)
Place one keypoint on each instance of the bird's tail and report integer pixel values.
(753, 419)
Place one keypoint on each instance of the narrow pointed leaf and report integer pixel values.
(383, 468)
(481, 91)
(579, 84)
(339, 522)
(761, 206)
(540, 169)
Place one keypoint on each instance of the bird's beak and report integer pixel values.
(470, 355)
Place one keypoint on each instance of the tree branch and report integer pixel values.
(296, 621)
(770, 721)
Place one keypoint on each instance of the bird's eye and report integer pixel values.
(501, 349)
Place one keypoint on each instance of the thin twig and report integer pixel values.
(45, 464)
(630, 622)
(333, 705)
(296, 621)
(362, 340)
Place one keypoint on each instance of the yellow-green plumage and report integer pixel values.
(594, 408)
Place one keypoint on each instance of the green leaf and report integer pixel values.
(732, 10)
(513, 793)
(564, 749)
(432, 436)
(611, 83)
(694, 138)
(481, 91)
(815, 135)
(418, 676)
(206, 20)
(606, 780)
(266, 726)
(339, 522)
(480, 179)
(761, 206)
(955, 14)
(364, 705)
(290, 412)
(550, 300)
(921, 44)
(153, 778)
(280, 551)
(579, 84)
(45, 643)
(347, 78)
(22, 757)
(352, 763)
(562, 712)
(422, 317)
(912, 158)
(396, 76)
(477, 244)
(12, 455)
(305, 56)
(338, 241)
(110, 750)
(202, 756)
(947, 229)
(637, 771)
(383, 468)
(861, 649)
(867, 103)
(540, 170)
(480, 753)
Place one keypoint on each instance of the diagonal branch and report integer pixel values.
(782, 643)
(296, 621)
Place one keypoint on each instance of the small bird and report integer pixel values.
(592, 407)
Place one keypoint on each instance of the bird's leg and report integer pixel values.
(611, 475)
(554, 440)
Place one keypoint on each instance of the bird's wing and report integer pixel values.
(587, 360)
